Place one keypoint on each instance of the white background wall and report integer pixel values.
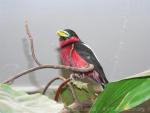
(117, 30)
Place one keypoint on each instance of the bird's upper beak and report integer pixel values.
(62, 33)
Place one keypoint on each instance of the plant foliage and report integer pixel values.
(123, 95)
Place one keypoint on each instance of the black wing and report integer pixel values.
(87, 54)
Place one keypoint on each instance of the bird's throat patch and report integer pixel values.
(68, 41)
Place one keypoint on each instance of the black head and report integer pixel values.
(66, 34)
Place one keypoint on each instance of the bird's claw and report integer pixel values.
(75, 76)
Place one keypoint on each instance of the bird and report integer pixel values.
(74, 52)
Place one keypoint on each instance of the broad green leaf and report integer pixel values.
(123, 95)
(142, 74)
(138, 75)
(12, 101)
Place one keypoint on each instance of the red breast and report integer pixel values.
(66, 48)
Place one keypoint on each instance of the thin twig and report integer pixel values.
(73, 92)
(74, 69)
(60, 88)
(30, 63)
(70, 55)
(51, 81)
(31, 43)
(70, 86)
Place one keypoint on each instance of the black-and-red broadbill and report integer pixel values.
(74, 52)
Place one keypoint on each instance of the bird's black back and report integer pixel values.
(87, 54)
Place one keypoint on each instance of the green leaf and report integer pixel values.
(82, 95)
(66, 96)
(80, 85)
(83, 91)
(12, 101)
(123, 95)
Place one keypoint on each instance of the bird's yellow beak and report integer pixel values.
(62, 33)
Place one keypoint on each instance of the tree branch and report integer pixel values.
(31, 43)
(51, 81)
(74, 69)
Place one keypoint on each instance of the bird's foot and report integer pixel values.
(77, 76)
(74, 76)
